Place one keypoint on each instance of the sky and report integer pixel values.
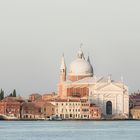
(35, 33)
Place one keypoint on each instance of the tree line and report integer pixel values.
(2, 94)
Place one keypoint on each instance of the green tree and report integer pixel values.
(1, 94)
(14, 93)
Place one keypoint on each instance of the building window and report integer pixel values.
(39, 110)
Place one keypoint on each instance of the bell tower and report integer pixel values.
(63, 70)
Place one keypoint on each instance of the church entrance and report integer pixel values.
(109, 108)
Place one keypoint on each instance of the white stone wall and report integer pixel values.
(119, 99)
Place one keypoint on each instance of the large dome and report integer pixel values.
(80, 67)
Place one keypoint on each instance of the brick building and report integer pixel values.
(134, 99)
(30, 111)
(34, 97)
(95, 112)
(37, 110)
(134, 105)
(11, 106)
(48, 96)
(89, 110)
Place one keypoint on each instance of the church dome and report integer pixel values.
(80, 67)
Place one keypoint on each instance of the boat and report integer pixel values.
(55, 118)
(8, 117)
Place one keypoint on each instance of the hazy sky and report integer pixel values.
(35, 33)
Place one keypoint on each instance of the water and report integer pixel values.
(69, 130)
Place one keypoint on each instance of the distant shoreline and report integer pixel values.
(102, 120)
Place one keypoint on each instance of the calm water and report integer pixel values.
(43, 130)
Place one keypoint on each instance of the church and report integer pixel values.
(80, 82)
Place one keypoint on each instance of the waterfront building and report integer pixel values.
(89, 110)
(85, 108)
(30, 111)
(77, 108)
(135, 112)
(37, 110)
(95, 112)
(111, 96)
(47, 108)
(11, 106)
(134, 105)
(67, 108)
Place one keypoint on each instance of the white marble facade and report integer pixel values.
(104, 91)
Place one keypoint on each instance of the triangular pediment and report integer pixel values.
(109, 87)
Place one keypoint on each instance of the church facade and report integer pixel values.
(80, 82)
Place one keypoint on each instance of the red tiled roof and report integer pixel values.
(6, 99)
(35, 94)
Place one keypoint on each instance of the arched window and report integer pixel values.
(109, 108)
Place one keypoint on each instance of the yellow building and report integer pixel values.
(135, 112)
(76, 109)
